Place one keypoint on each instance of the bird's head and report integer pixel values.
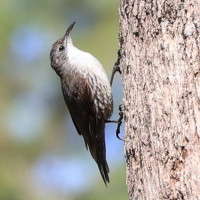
(58, 54)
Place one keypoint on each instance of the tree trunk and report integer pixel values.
(161, 83)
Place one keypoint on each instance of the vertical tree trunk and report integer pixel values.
(160, 64)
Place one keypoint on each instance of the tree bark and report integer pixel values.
(160, 67)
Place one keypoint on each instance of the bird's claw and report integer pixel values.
(119, 121)
(116, 67)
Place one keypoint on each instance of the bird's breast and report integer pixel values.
(90, 87)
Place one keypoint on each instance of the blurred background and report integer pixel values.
(41, 155)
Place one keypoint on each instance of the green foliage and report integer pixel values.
(33, 114)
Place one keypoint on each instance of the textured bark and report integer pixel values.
(161, 82)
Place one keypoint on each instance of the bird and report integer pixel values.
(87, 94)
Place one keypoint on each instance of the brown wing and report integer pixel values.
(79, 98)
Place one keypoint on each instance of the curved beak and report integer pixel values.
(69, 29)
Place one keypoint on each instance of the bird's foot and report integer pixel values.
(119, 121)
(116, 67)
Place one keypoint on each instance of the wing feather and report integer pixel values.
(79, 98)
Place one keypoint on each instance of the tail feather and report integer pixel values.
(97, 146)
(101, 159)
(104, 170)
(98, 151)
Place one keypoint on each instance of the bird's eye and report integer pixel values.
(61, 48)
